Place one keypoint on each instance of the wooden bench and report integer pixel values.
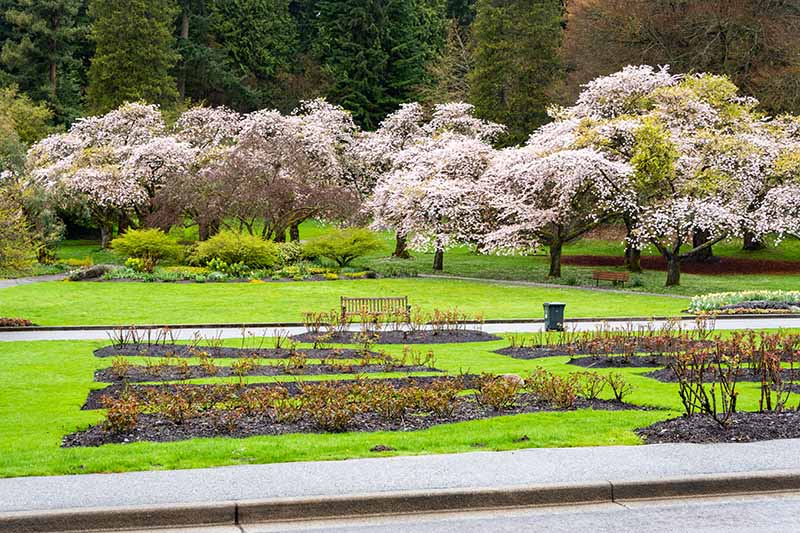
(615, 277)
(381, 306)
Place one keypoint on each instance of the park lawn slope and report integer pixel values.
(121, 303)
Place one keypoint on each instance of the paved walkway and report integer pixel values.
(6, 283)
(544, 466)
(531, 326)
(553, 285)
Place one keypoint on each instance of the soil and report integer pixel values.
(640, 346)
(741, 427)
(183, 350)
(721, 266)
(115, 391)
(667, 375)
(139, 373)
(218, 423)
(618, 361)
(406, 337)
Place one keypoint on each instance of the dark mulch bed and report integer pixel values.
(720, 266)
(183, 350)
(604, 361)
(537, 352)
(116, 390)
(406, 337)
(138, 374)
(742, 427)
(667, 375)
(214, 423)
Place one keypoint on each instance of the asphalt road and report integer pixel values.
(773, 513)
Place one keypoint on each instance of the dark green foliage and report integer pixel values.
(234, 247)
(344, 245)
(376, 52)
(135, 53)
(516, 62)
(43, 41)
(259, 34)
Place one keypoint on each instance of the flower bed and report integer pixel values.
(235, 411)
(747, 302)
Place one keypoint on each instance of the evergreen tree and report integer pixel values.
(376, 52)
(43, 41)
(260, 37)
(451, 70)
(516, 62)
(135, 53)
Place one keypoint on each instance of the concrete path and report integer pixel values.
(6, 283)
(545, 466)
(554, 285)
(532, 326)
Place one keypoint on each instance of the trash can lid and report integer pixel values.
(554, 303)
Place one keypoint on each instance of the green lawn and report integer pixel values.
(463, 262)
(43, 384)
(113, 303)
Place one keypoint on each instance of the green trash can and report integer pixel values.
(554, 316)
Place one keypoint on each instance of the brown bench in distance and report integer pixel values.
(382, 306)
(616, 278)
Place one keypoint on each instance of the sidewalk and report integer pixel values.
(518, 326)
(361, 486)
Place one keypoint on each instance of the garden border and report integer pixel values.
(243, 512)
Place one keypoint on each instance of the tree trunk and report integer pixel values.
(400, 247)
(294, 232)
(106, 234)
(53, 81)
(123, 223)
(699, 238)
(673, 271)
(752, 243)
(203, 231)
(184, 38)
(633, 258)
(438, 260)
(555, 259)
(280, 235)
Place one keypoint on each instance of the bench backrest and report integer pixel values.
(355, 306)
(610, 276)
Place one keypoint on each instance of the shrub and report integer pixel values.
(18, 246)
(342, 246)
(289, 253)
(14, 322)
(234, 247)
(149, 246)
(497, 392)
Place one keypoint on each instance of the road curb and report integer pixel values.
(386, 503)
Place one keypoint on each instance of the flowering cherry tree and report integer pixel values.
(284, 169)
(702, 159)
(551, 200)
(89, 162)
(427, 176)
